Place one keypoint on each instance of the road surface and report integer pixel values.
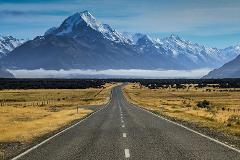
(123, 131)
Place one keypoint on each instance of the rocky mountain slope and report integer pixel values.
(228, 70)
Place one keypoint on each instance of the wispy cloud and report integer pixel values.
(132, 73)
(160, 17)
(28, 1)
(16, 13)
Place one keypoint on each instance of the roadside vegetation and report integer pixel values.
(206, 106)
(26, 115)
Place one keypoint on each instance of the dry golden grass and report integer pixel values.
(24, 124)
(28, 114)
(182, 104)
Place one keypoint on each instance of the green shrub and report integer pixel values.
(203, 104)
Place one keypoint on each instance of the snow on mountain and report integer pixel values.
(173, 46)
(230, 52)
(76, 24)
(184, 51)
(8, 43)
(82, 42)
(217, 57)
(181, 48)
(133, 38)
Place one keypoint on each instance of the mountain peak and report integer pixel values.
(81, 17)
(175, 37)
(89, 19)
(85, 12)
(146, 38)
(81, 24)
(135, 37)
(72, 24)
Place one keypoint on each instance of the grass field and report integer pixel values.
(222, 114)
(29, 114)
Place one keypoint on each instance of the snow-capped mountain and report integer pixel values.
(196, 52)
(189, 53)
(184, 52)
(77, 26)
(8, 43)
(230, 52)
(82, 42)
(133, 38)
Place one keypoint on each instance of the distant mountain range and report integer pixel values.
(81, 42)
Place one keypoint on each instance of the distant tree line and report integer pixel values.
(180, 83)
(98, 83)
(51, 83)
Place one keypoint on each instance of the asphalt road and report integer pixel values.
(123, 131)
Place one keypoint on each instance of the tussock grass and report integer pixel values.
(182, 104)
(25, 124)
(29, 114)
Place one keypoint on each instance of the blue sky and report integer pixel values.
(214, 23)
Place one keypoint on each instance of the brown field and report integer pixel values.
(223, 114)
(29, 114)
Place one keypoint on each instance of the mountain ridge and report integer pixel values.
(81, 42)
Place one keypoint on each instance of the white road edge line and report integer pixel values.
(38, 145)
(127, 153)
(191, 130)
(124, 135)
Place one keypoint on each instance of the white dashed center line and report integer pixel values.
(124, 135)
(127, 153)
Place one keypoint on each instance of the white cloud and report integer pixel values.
(121, 73)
